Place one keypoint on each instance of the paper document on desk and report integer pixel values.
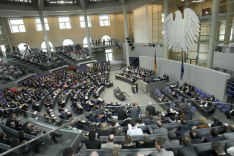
(172, 85)
(209, 125)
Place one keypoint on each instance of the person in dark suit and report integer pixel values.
(230, 113)
(174, 94)
(185, 126)
(119, 131)
(21, 136)
(218, 148)
(104, 131)
(13, 126)
(211, 109)
(146, 143)
(33, 131)
(169, 113)
(127, 121)
(187, 149)
(151, 121)
(122, 114)
(134, 111)
(195, 137)
(163, 121)
(92, 143)
(4, 139)
(212, 98)
(213, 136)
(150, 109)
(216, 121)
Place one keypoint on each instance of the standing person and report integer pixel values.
(150, 109)
(122, 115)
(134, 111)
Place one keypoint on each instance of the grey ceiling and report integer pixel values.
(27, 10)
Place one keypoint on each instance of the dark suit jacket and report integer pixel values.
(151, 110)
(217, 124)
(165, 121)
(120, 134)
(92, 144)
(212, 139)
(104, 133)
(8, 122)
(126, 122)
(183, 128)
(147, 145)
(122, 115)
(169, 114)
(34, 133)
(150, 123)
(196, 141)
(27, 131)
(187, 151)
(5, 141)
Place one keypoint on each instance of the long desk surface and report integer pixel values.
(117, 76)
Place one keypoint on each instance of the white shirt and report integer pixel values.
(136, 131)
(230, 150)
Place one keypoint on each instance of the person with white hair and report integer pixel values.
(139, 154)
(150, 109)
(94, 153)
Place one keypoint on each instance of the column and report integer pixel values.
(184, 53)
(126, 33)
(166, 8)
(48, 48)
(87, 31)
(229, 21)
(213, 28)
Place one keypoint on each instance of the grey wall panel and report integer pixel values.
(100, 56)
(224, 60)
(208, 80)
(143, 51)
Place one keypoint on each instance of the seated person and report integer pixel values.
(157, 130)
(187, 149)
(13, 126)
(212, 98)
(151, 121)
(104, 131)
(146, 143)
(169, 113)
(218, 148)
(185, 126)
(163, 120)
(160, 146)
(230, 113)
(92, 143)
(128, 143)
(172, 119)
(145, 116)
(110, 144)
(203, 122)
(139, 122)
(195, 137)
(171, 141)
(119, 131)
(165, 99)
(214, 136)
(4, 139)
(229, 134)
(134, 130)
(174, 94)
(114, 124)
